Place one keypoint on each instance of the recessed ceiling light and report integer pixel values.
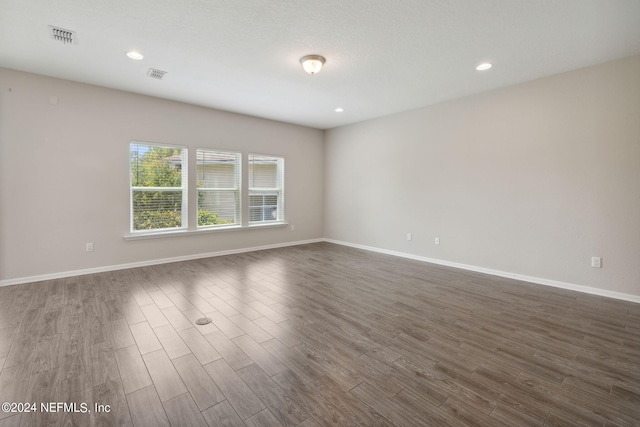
(135, 55)
(484, 66)
(339, 110)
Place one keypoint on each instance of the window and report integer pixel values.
(159, 199)
(218, 178)
(158, 187)
(266, 189)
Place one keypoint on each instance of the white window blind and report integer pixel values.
(158, 187)
(266, 188)
(218, 177)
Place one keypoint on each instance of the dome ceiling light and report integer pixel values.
(312, 63)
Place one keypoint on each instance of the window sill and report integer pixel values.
(176, 233)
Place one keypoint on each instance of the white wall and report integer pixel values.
(64, 174)
(532, 179)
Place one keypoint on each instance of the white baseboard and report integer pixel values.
(72, 273)
(530, 279)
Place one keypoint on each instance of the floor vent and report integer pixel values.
(156, 74)
(62, 35)
(203, 321)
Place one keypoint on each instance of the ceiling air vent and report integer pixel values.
(62, 35)
(156, 74)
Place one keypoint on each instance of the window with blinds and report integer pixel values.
(158, 187)
(266, 189)
(218, 178)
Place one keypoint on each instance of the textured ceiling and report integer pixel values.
(383, 56)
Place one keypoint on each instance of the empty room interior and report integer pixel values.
(329, 213)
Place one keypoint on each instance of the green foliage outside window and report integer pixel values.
(152, 168)
(149, 219)
(210, 218)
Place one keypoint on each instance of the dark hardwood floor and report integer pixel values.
(314, 335)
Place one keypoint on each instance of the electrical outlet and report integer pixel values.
(596, 262)
(293, 227)
(409, 237)
(436, 240)
(88, 247)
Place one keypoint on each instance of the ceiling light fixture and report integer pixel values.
(484, 66)
(339, 110)
(312, 63)
(135, 55)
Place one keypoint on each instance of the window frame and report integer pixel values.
(237, 189)
(189, 221)
(183, 189)
(279, 191)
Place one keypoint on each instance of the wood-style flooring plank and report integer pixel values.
(154, 315)
(15, 421)
(222, 415)
(6, 340)
(55, 295)
(161, 299)
(396, 412)
(171, 341)
(220, 292)
(338, 335)
(225, 325)
(22, 349)
(266, 311)
(132, 313)
(42, 386)
(114, 410)
(199, 345)
(77, 390)
(48, 355)
(141, 296)
(506, 415)
(263, 418)
(234, 356)
(181, 302)
(102, 363)
(222, 306)
(200, 303)
(239, 395)
(243, 307)
(283, 335)
(178, 320)
(165, 378)
(309, 422)
(293, 359)
(204, 390)
(133, 371)
(251, 329)
(285, 409)
(146, 409)
(182, 411)
(145, 337)
(121, 334)
(269, 363)
(194, 315)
